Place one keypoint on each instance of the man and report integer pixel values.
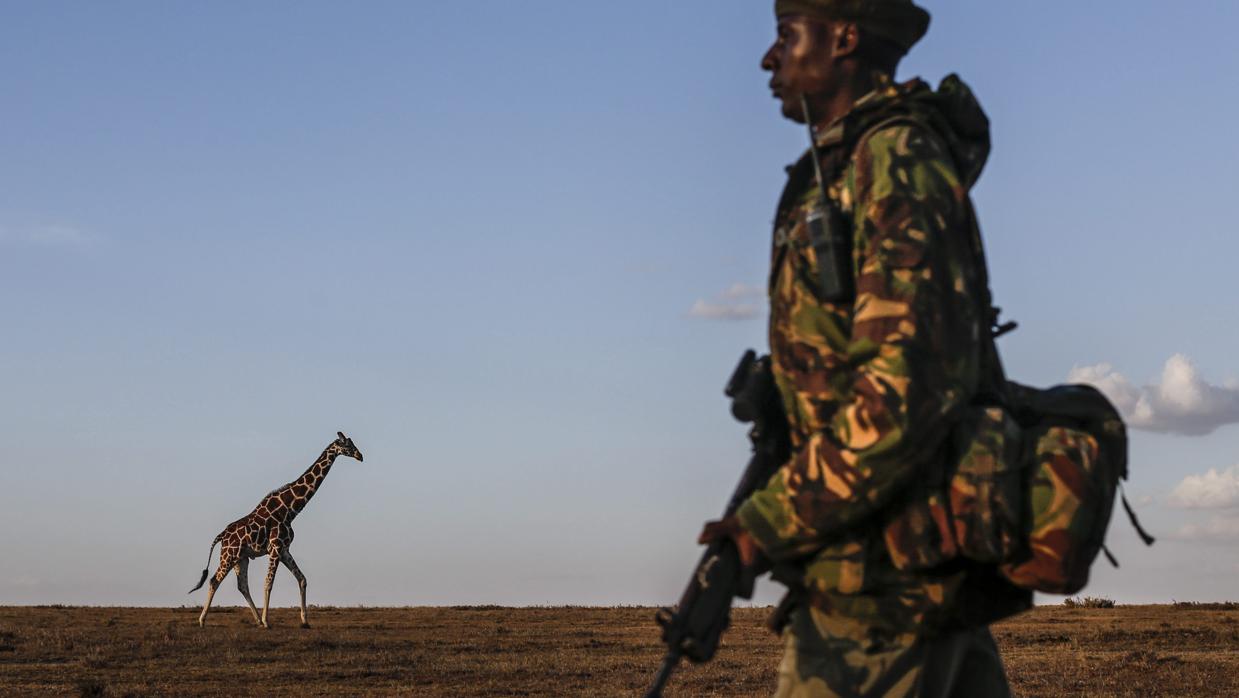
(873, 380)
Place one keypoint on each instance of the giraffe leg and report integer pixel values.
(266, 592)
(287, 558)
(243, 584)
(226, 562)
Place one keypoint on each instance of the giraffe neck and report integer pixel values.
(311, 479)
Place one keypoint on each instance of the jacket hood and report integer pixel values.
(964, 125)
(951, 111)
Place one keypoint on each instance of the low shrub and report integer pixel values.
(1088, 602)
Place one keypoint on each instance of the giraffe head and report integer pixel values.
(344, 446)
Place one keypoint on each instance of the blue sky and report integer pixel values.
(473, 236)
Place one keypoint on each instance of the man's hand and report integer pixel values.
(730, 527)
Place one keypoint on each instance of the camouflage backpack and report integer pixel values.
(1028, 479)
(1026, 482)
(1032, 473)
(1035, 482)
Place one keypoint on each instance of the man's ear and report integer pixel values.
(846, 39)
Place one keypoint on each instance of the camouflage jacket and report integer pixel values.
(873, 386)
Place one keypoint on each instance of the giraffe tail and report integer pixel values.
(207, 569)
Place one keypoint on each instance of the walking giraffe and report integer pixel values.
(268, 530)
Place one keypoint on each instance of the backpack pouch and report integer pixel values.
(1069, 509)
(986, 488)
(977, 512)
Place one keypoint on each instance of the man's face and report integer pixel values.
(799, 62)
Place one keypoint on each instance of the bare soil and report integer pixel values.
(492, 651)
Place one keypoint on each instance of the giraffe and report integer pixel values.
(268, 530)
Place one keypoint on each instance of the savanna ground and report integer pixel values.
(1181, 650)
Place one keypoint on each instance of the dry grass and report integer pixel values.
(1188, 650)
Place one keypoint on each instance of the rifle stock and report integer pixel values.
(694, 627)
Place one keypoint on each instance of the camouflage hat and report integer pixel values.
(898, 21)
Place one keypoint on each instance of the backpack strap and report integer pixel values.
(1131, 515)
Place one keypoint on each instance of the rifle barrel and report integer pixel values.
(669, 663)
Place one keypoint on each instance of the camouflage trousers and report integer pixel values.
(829, 656)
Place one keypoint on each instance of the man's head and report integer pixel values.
(825, 46)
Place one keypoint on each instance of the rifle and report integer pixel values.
(694, 627)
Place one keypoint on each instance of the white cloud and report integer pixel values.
(737, 302)
(1182, 403)
(1218, 528)
(1121, 392)
(47, 236)
(1212, 490)
(743, 292)
(722, 311)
